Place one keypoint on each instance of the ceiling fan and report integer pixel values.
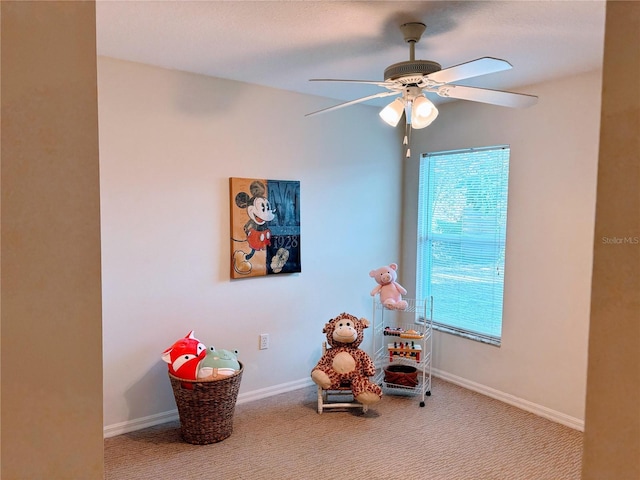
(412, 79)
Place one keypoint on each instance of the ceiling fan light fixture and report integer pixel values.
(423, 112)
(392, 113)
(414, 77)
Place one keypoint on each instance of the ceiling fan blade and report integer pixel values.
(353, 102)
(370, 82)
(474, 68)
(485, 95)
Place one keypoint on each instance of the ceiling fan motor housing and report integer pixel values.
(411, 68)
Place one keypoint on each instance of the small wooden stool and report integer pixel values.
(337, 397)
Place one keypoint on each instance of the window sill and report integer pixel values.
(477, 337)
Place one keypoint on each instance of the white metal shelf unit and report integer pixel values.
(403, 340)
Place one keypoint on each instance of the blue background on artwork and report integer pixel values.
(284, 196)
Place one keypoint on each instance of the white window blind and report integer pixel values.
(462, 225)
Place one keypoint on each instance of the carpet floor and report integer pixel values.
(458, 435)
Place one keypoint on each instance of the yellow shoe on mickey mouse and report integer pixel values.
(240, 263)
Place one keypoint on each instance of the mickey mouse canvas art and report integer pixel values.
(265, 227)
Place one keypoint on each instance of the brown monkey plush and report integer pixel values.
(344, 364)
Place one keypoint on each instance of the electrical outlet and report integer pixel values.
(264, 341)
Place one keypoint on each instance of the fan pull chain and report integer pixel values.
(407, 139)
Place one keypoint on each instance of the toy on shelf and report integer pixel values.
(404, 350)
(399, 332)
(389, 290)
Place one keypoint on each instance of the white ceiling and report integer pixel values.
(283, 44)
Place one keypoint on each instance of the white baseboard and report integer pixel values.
(520, 403)
(275, 390)
(140, 423)
(171, 415)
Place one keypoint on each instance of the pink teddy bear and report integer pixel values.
(390, 291)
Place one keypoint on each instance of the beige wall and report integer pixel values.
(541, 365)
(169, 141)
(51, 307)
(52, 424)
(612, 433)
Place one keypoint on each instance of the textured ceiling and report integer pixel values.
(283, 44)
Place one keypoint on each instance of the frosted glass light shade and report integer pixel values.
(423, 112)
(392, 113)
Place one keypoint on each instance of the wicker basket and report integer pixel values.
(404, 375)
(206, 407)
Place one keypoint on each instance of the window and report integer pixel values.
(462, 225)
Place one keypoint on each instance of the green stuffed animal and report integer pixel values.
(218, 364)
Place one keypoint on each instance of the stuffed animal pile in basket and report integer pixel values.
(205, 383)
(190, 359)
